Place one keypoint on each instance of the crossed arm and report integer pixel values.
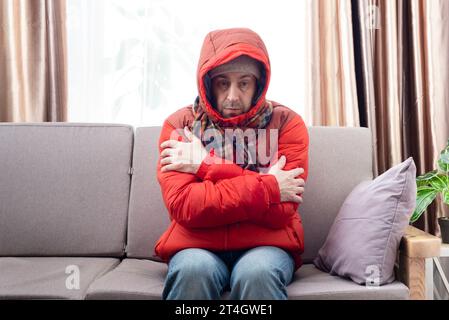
(213, 194)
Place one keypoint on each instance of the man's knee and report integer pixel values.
(256, 274)
(193, 263)
(194, 274)
(258, 267)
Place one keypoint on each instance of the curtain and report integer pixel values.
(383, 65)
(331, 97)
(33, 86)
(401, 50)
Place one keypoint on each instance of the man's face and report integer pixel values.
(233, 93)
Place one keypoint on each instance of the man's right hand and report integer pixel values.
(289, 186)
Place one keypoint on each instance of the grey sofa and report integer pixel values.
(81, 210)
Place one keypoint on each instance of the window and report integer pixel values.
(135, 61)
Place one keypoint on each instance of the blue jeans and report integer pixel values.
(261, 273)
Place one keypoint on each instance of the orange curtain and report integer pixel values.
(33, 80)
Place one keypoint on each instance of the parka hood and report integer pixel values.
(222, 46)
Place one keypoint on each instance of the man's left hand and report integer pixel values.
(183, 156)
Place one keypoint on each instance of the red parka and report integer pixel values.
(224, 207)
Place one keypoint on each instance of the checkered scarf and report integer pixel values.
(258, 121)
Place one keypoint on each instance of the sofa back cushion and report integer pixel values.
(148, 216)
(64, 189)
(339, 159)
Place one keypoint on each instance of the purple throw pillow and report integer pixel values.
(364, 238)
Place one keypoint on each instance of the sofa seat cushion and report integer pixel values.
(50, 277)
(133, 279)
(310, 283)
(144, 280)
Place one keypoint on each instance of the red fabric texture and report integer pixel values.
(224, 207)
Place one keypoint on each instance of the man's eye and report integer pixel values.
(244, 84)
(223, 84)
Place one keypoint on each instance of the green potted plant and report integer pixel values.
(429, 185)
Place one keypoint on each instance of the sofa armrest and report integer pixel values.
(416, 245)
(419, 244)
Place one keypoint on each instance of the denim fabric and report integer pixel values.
(261, 273)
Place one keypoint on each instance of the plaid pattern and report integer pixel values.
(258, 121)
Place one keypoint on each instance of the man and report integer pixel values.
(234, 221)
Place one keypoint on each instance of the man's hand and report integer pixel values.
(289, 186)
(183, 156)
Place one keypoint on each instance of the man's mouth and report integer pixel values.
(231, 112)
(232, 106)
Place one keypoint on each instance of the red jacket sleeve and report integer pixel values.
(214, 168)
(293, 144)
(199, 204)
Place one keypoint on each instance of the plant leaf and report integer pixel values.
(446, 196)
(427, 176)
(424, 197)
(439, 182)
(424, 188)
(422, 183)
(443, 161)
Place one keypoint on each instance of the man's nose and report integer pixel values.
(233, 93)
